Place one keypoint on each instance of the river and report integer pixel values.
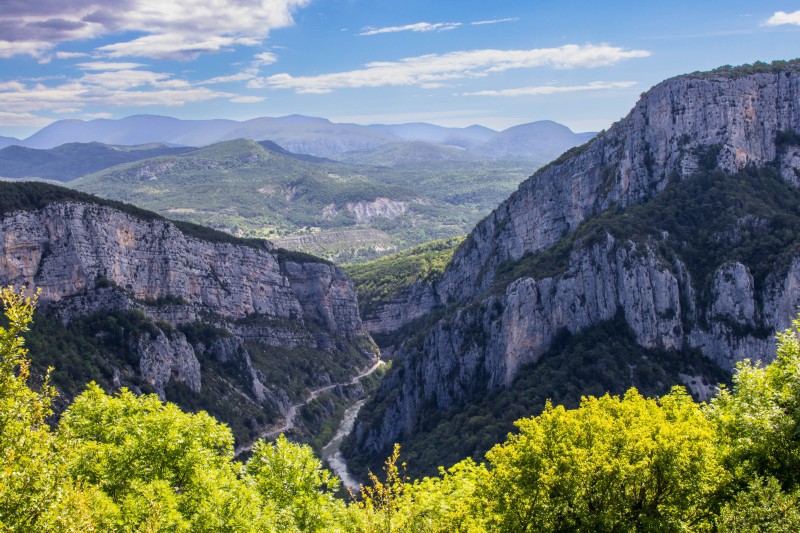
(332, 454)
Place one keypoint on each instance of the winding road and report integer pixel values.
(291, 413)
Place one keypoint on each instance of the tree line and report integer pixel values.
(122, 462)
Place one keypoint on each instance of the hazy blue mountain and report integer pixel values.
(133, 130)
(539, 141)
(7, 141)
(274, 147)
(421, 131)
(72, 160)
(311, 135)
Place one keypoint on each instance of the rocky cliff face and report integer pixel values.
(673, 129)
(255, 308)
(501, 304)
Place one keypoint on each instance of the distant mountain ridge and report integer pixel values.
(72, 160)
(7, 141)
(540, 141)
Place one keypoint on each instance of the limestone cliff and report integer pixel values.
(681, 217)
(213, 315)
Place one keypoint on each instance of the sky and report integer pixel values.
(497, 63)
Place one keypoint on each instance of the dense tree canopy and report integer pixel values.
(124, 462)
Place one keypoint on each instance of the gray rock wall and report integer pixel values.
(678, 127)
(88, 258)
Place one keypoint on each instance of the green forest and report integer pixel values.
(124, 463)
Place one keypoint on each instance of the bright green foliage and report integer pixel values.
(128, 463)
(446, 504)
(761, 508)
(630, 464)
(144, 454)
(292, 479)
(758, 421)
(381, 501)
(29, 466)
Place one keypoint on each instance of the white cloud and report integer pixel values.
(239, 76)
(247, 99)
(12, 86)
(124, 88)
(780, 18)
(192, 27)
(265, 58)
(65, 110)
(97, 115)
(106, 65)
(22, 119)
(493, 21)
(31, 48)
(417, 27)
(172, 46)
(259, 60)
(70, 55)
(127, 79)
(555, 89)
(258, 83)
(437, 68)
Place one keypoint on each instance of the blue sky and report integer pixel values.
(455, 63)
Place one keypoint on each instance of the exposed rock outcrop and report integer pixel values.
(165, 358)
(366, 212)
(725, 121)
(491, 325)
(246, 304)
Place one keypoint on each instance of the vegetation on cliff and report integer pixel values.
(704, 222)
(382, 280)
(132, 463)
(598, 360)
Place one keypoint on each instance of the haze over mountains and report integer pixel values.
(342, 191)
(538, 141)
(72, 160)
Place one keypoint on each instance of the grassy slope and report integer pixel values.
(478, 185)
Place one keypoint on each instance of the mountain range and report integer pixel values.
(73, 160)
(537, 141)
(255, 189)
(661, 252)
(258, 189)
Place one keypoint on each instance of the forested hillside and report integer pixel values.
(341, 212)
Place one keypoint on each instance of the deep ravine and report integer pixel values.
(330, 451)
